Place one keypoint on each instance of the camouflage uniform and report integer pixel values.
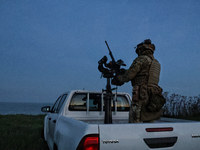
(138, 74)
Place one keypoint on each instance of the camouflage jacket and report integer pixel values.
(138, 74)
(138, 71)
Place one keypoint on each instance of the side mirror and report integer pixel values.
(46, 109)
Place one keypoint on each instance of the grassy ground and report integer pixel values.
(22, 132)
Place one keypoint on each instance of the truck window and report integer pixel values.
(53, 110)
(122, 104)
(58, 104)
(79, 103)
(95, 102)
(61, 102)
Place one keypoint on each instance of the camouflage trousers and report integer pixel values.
(135, 113)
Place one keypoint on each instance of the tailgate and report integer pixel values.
(147, 136)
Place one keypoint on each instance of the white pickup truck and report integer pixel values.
(76, 122)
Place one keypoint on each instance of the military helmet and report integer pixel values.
(146, 45)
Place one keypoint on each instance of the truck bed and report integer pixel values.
(125, 121)
(76, 122)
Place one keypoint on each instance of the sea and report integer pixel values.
(7, 108)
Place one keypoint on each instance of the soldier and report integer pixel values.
(147, 99)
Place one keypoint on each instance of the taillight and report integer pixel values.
(165, 129)
(89, 142)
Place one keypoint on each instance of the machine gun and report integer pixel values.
(113, 67)
(111, 70)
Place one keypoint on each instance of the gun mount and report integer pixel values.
(109, 70)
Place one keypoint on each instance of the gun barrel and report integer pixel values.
(110, 53)
(107, 46)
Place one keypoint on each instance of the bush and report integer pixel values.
(177, 105)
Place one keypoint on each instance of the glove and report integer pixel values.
(115, 81)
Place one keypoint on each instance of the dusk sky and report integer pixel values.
(50, 47)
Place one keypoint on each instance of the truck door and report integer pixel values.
(53, 116)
